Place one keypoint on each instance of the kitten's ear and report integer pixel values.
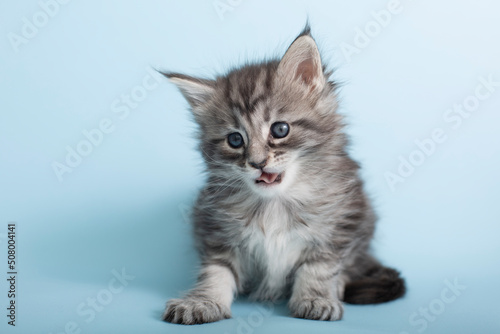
(196, 91)
(302, 62)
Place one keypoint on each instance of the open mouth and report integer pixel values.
(268, 179)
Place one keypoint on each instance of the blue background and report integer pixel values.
(124, 205)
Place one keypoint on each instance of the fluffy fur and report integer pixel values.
(306, 237)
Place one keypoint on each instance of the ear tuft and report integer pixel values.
(196, 91)
(306, 31)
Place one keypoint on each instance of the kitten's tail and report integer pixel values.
(378, 285)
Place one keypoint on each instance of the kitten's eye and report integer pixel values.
(235, 140)
(280, 129)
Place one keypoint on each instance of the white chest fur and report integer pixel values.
(272, 244)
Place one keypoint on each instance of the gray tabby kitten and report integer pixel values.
(283, 213)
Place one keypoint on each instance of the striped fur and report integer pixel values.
(306, 238)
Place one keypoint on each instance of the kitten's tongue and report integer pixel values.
(268, 177)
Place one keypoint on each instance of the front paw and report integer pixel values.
(317, 309)
(191, 311)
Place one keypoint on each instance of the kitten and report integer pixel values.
(283, 213)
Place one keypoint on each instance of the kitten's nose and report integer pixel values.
(258, 165)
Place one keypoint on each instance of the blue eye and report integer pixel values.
(280, 129)
(235, 140)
